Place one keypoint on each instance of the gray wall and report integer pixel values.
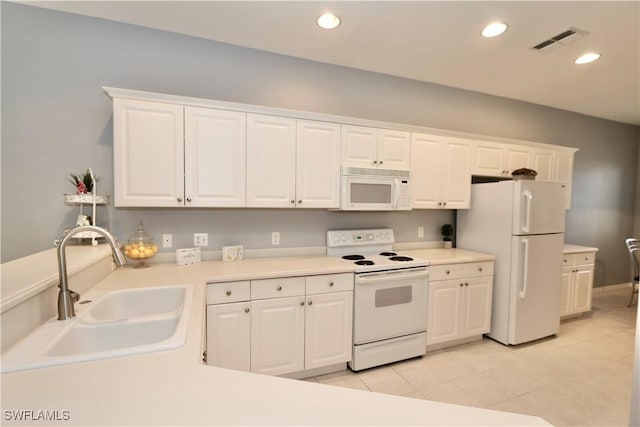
(57, 120)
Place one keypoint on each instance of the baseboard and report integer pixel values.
(602, 289)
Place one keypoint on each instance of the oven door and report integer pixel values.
(390, 304)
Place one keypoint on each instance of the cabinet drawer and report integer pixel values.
(220, 293)
(329, 283)
(568, 260)
(585, 258)
(276, 288)
(444, 272)
(475, 269)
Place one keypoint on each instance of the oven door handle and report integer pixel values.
(385, 277)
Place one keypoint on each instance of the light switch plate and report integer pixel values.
(188, 256)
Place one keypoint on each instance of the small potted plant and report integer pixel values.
(447, 232)
(83, 182)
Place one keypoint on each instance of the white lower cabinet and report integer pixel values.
(277, 335)
(282, 326)
(229, 327)
(577, 283)
(460, 298)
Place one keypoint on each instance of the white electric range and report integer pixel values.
(390, 297)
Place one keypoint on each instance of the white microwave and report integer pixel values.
(375, 190)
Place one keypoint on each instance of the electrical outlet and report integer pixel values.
(201, 239)
(420, 231)
(275, 238)
(167, 240)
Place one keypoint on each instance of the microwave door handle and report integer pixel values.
(396, 193)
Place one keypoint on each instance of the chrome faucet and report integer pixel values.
(67, 297)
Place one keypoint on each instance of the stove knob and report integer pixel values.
(370, 237)
(343, 238)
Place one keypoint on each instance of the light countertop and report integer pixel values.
(575, 249)
(175, 388)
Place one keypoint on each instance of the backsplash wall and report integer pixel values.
(57, 120)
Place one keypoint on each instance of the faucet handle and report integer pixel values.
(75, 297)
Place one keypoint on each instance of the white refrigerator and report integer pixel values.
(522, 224)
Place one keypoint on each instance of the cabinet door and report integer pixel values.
(317, 165)
(228, 336)
(394, 149)
(488, 159)
(328, 329)
(215, 142)
(359, 146)
(456, 176)
(566, 301)
(271, 161)
(563, 173)
(476, 311)
(426, 171)
(543, 164)
(583, 284)
(277, 335)
(148, 156)
(443, 318)
(517, 157)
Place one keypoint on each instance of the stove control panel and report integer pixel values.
(336, 238)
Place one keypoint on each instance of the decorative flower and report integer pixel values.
(82, 182)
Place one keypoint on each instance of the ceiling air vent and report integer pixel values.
(560, 40)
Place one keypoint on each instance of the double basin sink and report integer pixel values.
(120, 323)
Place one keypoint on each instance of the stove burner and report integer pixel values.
(364, 262)
(388, 253)
(353, 257)
(401, 258)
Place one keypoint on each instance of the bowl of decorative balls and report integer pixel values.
(140, 247)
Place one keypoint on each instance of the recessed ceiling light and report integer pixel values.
(587, 57)
(494, 29)
(328, 21)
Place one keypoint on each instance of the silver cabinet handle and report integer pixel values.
(246, 310)
(228, 293)
(279, 288)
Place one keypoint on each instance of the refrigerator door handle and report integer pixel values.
(528, 198)
(525, 269)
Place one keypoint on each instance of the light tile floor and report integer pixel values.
(581, 377)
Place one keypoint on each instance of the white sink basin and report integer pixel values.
(131, 303)
(120, 323)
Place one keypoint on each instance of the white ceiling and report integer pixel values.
(432, 41)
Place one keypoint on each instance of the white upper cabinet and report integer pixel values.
(440, 168)
(148, 154)
(563, 173)
(170, 155)
(214, 152)
(292, 163)
(499, 160)
(271, 161)
(317, 164)
(368, 147)
(543, 161)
